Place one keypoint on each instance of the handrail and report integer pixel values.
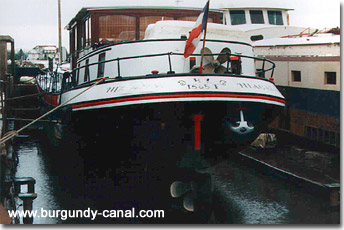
(179, 54)
(260, 73)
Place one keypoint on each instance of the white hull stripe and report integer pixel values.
(178, 97)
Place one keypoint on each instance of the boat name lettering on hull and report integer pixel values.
(206, 84)
(255, 86)
(111, 89)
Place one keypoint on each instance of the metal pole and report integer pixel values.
(59, 32)
(203, 45)
(4, 84)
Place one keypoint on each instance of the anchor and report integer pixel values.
(243, 127)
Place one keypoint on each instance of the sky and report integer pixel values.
(34, 22)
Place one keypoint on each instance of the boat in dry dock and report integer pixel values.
(131, 85)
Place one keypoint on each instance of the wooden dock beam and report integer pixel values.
(6, 88)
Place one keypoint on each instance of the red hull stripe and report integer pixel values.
(154, 97)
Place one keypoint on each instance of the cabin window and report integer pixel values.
(72, 46)
(296, 76)
(87, 72)
(275, 17)
(257, 17)
(257, 37)
(330, 78)
(237, 17)
(76, 41)
(82, 35)
(116, 28)
(77, 73)
(88, 32)
(101, 65)
(145, 21)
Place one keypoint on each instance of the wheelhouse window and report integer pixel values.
(296, 76)
(87, 72)
(237, 17)
(257, 17)
(275, 17)
(101, 65)
(146, 20)
(116, 28)
(330, 78)
(88, 32)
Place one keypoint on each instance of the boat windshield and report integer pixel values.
(275, 17)
(237, 17)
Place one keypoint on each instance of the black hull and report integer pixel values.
(130, 156)
(147, 132)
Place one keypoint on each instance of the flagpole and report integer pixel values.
(204, 35)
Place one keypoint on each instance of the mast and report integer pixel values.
(59, 31)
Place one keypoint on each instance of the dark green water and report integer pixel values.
(241, 196)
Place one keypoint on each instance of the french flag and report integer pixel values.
(196, 32)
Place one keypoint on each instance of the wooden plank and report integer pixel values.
(3, 60)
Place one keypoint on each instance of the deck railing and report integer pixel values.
(260, 73)
(228, 64)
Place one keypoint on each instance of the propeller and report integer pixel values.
(215, 65)
(188, 202)
(179, 188)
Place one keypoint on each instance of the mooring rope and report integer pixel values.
(11, 134)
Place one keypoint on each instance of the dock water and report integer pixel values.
(243, 194)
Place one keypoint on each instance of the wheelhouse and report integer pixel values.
(94, 27)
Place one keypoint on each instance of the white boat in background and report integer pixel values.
(307, 65)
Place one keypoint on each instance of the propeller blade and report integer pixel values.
(221, 69)
(208, 68)
(223, 57)
(188, 202)
(179, 188)
(209, 57)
